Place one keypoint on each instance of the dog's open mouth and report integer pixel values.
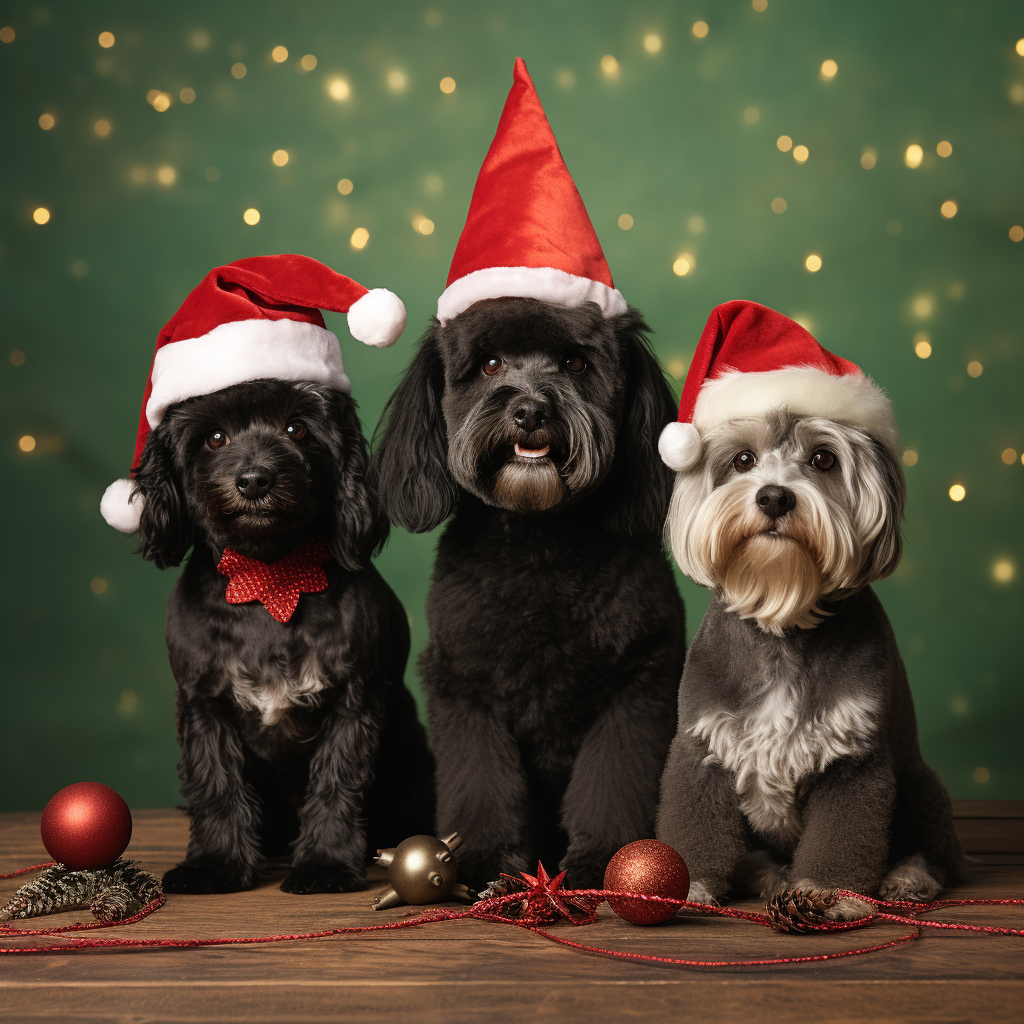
(531, 453)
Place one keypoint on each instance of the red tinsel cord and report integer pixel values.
(489, 910)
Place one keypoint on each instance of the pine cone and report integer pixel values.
(796, 910)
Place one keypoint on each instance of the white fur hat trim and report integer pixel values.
(679, 446)
(378, 318)
(121, 506)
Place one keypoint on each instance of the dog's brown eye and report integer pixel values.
(744, 462)
(492, 364)
(296, 430)
(574, 364)
(217, 439)
(823, 460)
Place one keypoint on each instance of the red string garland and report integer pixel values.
(902, 913)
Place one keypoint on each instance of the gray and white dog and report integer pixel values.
(796, 761)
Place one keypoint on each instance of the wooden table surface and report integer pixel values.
(471, 970)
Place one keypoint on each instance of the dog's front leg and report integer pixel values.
(223, 850)
(330, 854)
(481, 790)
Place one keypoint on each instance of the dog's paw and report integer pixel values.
(911, 879)
(201, 877)
(304, 879)
(849, 909)
(699, 893)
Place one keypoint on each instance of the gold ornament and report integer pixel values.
(421, 870)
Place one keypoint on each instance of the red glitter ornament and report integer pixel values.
(86, 826)
(652, 868)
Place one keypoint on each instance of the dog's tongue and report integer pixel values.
(532, 453)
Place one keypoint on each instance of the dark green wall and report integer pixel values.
(86, 692)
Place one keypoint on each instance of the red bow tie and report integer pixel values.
(276, 585)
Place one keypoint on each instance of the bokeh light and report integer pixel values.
(609, 66)
(913, 156)
(922, 306)
(982, 775)
(1003, 570)
(652, 42)
(158, 100)
(339, 89)
(700, 29)
(345, 186)
(1020, 46)
(187, 95)
(958, 492)
(974, 368)
(1017, 233)
(397, 80)
(102, 128)
(683, 265)
(785, 143)
(421, 225)
(910, 457)
(47, 121)
(944, 149)
(27, 443)
(238, 70)
(922, 345)
(447, 85)
(279, 54)
(308, 62)
(759, 5)
(869, 158)
(800, 154)
(625, 221)
(41, 215)
(98, 585)
(813, 263)
(829, 69)
(7, 34)
(1009, 456)
(106, 40)
(696, 224)
(751, 115)
(948, 209)
(778, 205)
(1017, 93)
(280, 157)
(566, 78)
(251, 216)
(17, 357)
(359, 238)
(166, 175)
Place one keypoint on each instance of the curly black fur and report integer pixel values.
(292, 734)
(556, 630)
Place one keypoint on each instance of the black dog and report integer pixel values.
(556, 629)
(290, 731)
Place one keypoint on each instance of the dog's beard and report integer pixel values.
(281, 510)
(534, 486)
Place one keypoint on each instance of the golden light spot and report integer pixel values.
(700, 29)
(922, 345)
(212, 175)
(944, 149)
(565, 78)
(280, 157)
(974, 368)
(199, 40)
(339, 89)
(129, 699)
(960, 705)
(1020, 44)
(813, 263)
(397, 80)
(778, 205)
(696, 224)
(958, 492)
(948, 209)
(27, 443)
(922, 306)
(1003, 570)
(187, 95)
(1017, 93)
(676, 367)
(447, 85)
(751, 115)
(1009, 456)
(910, 457)
(982, 775)
(41, 215)
(106, 40)
(79, 269)
(829, 69)
(785, 143)
(426, 226)
(1017, 233)
(308, 62)
(610, 66)
(652, 42)
(869, 158)
(6, 34)
(47, 121)
(279, 54)
(913, 156)
(251, 216)
(759, 5)
(625, 221)
(161, 101)
(345, 186)
(98, 585)
(955, 290)
(434, 184)
(432, 18)
(238, 70)
(152, 95)
(138, 175)
(800, 154)
(683, 265)
(166, 175)
(359, 238)
(17, 357)
(102, 128)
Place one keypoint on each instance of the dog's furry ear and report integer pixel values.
(165, 530)
(409, 467)
(639, 477)
(358, 527)
(886, 499)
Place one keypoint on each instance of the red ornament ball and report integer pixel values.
(86, 826)
(650, 867)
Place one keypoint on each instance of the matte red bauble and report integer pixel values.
(650, 867)
(86, 826)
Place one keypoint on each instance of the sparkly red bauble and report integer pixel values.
(650, 867)
(86, 826)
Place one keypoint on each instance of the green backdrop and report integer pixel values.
(678, 131)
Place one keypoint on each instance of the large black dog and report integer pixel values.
(291, 732)
(556, 630)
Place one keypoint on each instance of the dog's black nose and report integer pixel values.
(254, 483)
(775, 501)
(532, 414)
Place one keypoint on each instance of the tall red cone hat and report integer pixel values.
(751, 360)
(254, 318)
(527, 233)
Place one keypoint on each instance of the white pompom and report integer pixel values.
(121, 506)
(378, 318)
(679, 446)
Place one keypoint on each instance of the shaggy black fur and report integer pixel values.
(291, 734)
(556, 629)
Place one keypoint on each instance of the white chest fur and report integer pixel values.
(273, 693)
(771, 749)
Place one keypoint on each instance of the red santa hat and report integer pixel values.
(751, 360)
(254, 318)
(527, 232)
